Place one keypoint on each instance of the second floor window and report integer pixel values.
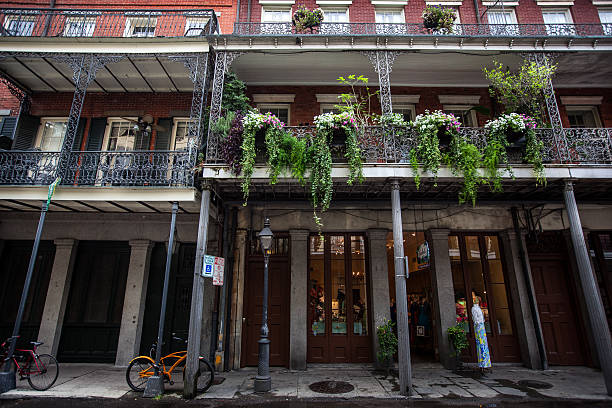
(21, 26)
(140, 27)
(79, 27)
(390, 16)
(557, 22)
(605, 16)
(180, 137)
(276, 15)
(281, 111)
(502, 22)
(407, 111)
(335, 16)
(123, 137)
(583, 116)
(466, 116)
(196, 26)
(51, 134)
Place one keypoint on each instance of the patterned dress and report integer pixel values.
(482, 347)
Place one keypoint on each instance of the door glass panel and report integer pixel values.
(338, 288)
(316, 302)
(503, 324)
(461, 306)
(475, 271)
(358, 278)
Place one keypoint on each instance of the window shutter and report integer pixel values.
(78, 138)
(96, 134)
(26, 132)
(8, 124)
(162, 140)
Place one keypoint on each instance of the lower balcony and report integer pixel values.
(98, 168)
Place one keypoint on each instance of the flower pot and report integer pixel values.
(515, 137)
(444, 138)
(431, 24)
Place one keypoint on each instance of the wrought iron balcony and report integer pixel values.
(413, 29)
(98, 168)
(103, 23)
(393, 144)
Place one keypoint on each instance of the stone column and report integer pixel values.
(379, 283)
(599, 323)
(526, 323)
(298, 333)
(238, 298)
(134, 301)
(443, 292)
(57, 295)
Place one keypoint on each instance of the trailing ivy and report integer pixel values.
(533, 156)
(321, 186)
(231, 151)
(285, 152)
(464, 159)
(427, 152)
(353, 154)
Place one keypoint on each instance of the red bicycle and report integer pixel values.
(41, 370)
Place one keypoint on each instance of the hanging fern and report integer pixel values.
(464, 159)
(353, 154)
(321, 186)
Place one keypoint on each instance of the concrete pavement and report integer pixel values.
(430, 381)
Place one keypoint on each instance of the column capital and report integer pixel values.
(299, 234)
(439, 233)
(377, 233)
(140, 243)
(64, 242)
(569, 185)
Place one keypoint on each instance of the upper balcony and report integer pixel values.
(49, 26)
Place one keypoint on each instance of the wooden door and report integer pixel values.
(278, 310)
(95, 303)
(13, 269)
(338, 303)
(557, 312)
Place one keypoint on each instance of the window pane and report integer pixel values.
(53, 136)
(554, 17)
(358, 271)
(475, 271)
(316, 298)
(581, 118)
(461, 304)
(338, 285)
(281, 113)
(180, 140)
(503, 323)
(464, 116)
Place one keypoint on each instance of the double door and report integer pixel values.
(339, 324)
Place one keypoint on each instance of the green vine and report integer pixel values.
(248, 160)
(494, 154)
(464, 159)
(321, 186)
(285, 152)
(353, 154)
(533, 156)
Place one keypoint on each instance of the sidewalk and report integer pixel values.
(430, 381)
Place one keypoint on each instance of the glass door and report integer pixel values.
(338, 318)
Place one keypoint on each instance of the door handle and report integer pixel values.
(244, 320)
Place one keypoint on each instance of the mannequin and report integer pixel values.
(480, 334)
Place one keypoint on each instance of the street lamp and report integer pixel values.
(263, 382)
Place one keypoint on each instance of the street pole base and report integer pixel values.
(7, 381)
(154, 387)
(263, 384)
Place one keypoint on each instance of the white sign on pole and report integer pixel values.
(207, 269)
(218, 271)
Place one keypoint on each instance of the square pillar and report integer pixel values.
(298, 325)
(134, 301)
(57, 295)
(379, 284)
(237, 299)
(443, 292)
(520, 294)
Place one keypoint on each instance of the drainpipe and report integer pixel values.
(249, 12)
(530, 291)
(238, 12)
(230, 282)
(478, 20)
(48, 19)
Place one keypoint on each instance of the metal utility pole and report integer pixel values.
(155, 383)
(597, 315)
(403, 332)
(197, 301)
(7, 377)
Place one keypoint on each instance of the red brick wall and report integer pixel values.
(8, 101)
(304, 108)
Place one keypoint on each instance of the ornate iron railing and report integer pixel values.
(413, 29)
(98, 168)
(107, 23)
(393, 144)
(28, 167)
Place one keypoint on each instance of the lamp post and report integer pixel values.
(263, 382)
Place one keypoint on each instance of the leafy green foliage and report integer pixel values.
(521, 91)
(248, 159)
(494, 155)
(439, 18)
(285, 152)
(223, 125)
(234, 94)
(464, 159)
(458, 339)
(353, 154)
(533, 156)
(387, 341)
(304, 18)
(321, 186)
(357, 102)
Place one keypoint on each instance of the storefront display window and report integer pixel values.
(338, 303)
(498, 287)
(474, 268)
(360, 315)
(461, 307)
(317, 286)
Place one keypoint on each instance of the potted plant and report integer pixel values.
(457, 339)
(387, 343)
(303, 18)
(434, 131)
(438, 18)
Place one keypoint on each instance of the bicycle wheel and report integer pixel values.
(206, 375)
(43, 372)
(138, 372)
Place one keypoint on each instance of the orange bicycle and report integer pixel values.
(143, 367)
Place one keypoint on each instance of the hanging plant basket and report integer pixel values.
(514, 137)
(444, 137)
(305, 19)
